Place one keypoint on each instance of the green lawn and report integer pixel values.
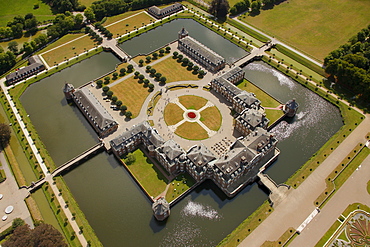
(68, 50)
(192, 101)
(132, 98)
(191, 131)
(173, 114)
(179, 185)
(211, 117)
(22, 7)
(129, 24)
(316, 27)
(173, 71)
(147, 174)
(266, 100)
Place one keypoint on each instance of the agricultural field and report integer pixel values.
(315, 27)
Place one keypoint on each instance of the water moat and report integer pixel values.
(204, 216)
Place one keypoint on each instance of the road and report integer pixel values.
(352, 191)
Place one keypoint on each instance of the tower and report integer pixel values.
(183, 33)
(291, 107)
(161, 209)
(68, 91)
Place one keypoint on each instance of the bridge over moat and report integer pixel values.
(277, 191)
(67, 165)
(255, 53)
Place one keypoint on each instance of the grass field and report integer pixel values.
(68, 50)
(132, 94)
(129, 24)
(178, 186)
(192, 102)
(148, 174)
(173, 114)
(266, 100)
(316, 27)
(191, 131)
(173, 71)
(211, 117)
(22, 7)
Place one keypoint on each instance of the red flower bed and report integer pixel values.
(191, 115)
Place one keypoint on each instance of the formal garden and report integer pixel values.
(184, 115)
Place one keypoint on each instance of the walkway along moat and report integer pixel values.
(213, 210)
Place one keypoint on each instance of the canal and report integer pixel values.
(113, 203)
(167, 33)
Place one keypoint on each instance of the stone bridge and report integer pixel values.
(256, 52)
(277, 192)
(74, 161)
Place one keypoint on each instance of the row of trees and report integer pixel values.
(185, 62)
(103, 30)
(349, 65)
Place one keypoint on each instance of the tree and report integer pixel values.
(122, 71)
(152, 71)
(106, 80)
(109, 93)
(137, 73)
(41, 235)
(141, 61)
(17, 30)
(151, 86)
(115, 75)
(130, 67)
(141, 77)
(128, 114)
(219, 8)
(130, 158)
(155, 55)
(114, 98)
(163, 79)
(148, 68)
(255, 6)
(123, 108)
(13, 46)
(4, 134)
(99, 83)
(161, 52)
(105, 89)
(157, 75)
(146, 81)
(118, 102)
(168, 49)
(148, 59)
(27, 48)
(175, 54)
